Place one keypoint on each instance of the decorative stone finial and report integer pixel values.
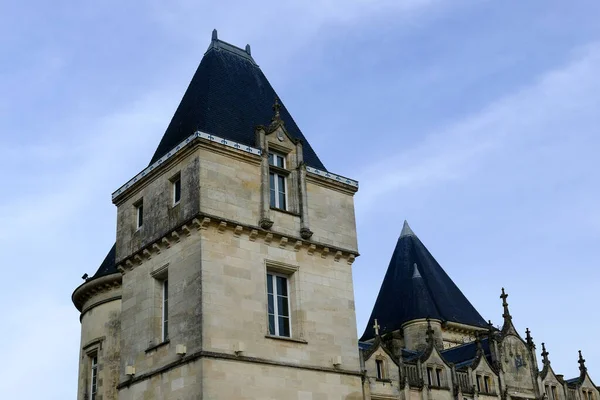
(248, 50)
(376, 327)
(214, 35)
(406, 231)
(529, 339)
(506, 314)
(581, 361)
(490, 325)
(545, 359)
(276, 120)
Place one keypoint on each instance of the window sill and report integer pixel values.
(383, 380)
(285, 211)
(156, 346)
(286, 339)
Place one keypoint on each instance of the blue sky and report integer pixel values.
(477, 121)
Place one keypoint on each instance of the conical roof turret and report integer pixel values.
(416, 286)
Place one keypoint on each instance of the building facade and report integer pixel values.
(231, 277)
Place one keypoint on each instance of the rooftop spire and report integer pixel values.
(581, 361)
(506, 314)
(529, 339)
(406, 231)
(545, 359)
(214, 35)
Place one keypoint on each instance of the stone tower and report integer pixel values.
(231, 273)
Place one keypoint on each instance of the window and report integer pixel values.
(438, 376)
(487, 384)
(547, 388)
(176, 189)
(165, 310)
(380, 371)
(278, 305)
(479, 383)
(277, 181)
(139, 214)
(94, 378)
(429, 376)
(555, 393)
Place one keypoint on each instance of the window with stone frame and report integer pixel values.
(278, 177)
(139, 213)
(161, 303)
(380, 369)
(176, 189)
(93, 376)
(435, 376)
(278, 305)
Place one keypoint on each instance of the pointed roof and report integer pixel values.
(228, 97)
(415, 286)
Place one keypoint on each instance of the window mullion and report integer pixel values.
(275, 308)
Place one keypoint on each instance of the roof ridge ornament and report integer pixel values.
(214, 35)
(406, 231)
(529, 339)
(545, 359)
(506, 315)
(582, 367)
(376, 327)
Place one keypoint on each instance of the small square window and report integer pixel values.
(139, 214)
(176, 185)
(278, 305)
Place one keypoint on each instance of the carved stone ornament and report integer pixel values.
(306, 233)
(265, 223)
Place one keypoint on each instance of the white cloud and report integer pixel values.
(554, 111)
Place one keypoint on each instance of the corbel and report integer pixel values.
(156, 248)
(128, 264)
(205, 222)
(222, 226)
(324, 252)
(351, 259)
(298, 245)
(268, 238)
(338, 255)
(186, 230)
(175, 236)
(120, 268)
(196, 224)
(165, 242)
(283, 242)
(238, 230)
(311, 249)
(253, 235)
(137, 258)
(147, 253)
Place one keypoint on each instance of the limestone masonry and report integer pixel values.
(231, 277)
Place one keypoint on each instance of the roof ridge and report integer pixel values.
(219, 44)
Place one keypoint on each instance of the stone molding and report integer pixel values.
(231, 357)
(204, 221)
(93, 287)
(230, 148)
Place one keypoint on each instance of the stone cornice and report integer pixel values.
(229, 147)
(253, 233)
(93, 287)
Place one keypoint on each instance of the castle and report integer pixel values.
(231, 277)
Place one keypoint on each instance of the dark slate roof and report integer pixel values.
(415, 286)
(572, 380)
(228, 97)
(464, 355)
(108, 266)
